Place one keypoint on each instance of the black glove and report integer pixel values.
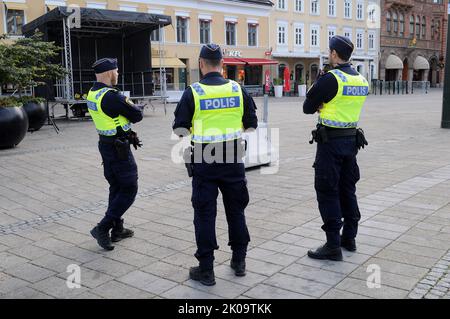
(134, 140)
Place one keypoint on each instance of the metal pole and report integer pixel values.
(445, 122)
(266, 108)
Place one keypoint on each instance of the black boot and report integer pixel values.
(101, 233)
(348, 244)
(238, 267)
(324, 252)
(119, 232)
(206, 277)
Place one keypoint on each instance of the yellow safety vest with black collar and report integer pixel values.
(344, 109)
(218, 112)
(105, 125)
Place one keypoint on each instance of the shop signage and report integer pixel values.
(158, 53)
(232, 53)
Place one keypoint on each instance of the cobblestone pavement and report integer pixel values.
(52, 192)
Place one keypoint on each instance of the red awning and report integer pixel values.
(233, 61)
(253, 61)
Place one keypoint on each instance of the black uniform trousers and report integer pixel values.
(336, 175)
(207, 180)
(122, 177)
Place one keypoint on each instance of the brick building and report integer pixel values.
(413, 39)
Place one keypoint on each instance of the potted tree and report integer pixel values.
(302, 88)
(13, 122)
(31, 64)
(278, 87)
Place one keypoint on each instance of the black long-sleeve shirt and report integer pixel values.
(114, 104)
(186, 107)
(324, 89)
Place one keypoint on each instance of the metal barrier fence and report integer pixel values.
(399, 87)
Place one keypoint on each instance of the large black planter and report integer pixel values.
(37, 114)
(13, 126)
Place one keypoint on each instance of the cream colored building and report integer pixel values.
(240, 27)
(300, 31)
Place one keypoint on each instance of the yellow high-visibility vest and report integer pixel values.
(104, 124)
(344, 109)
(218, 112)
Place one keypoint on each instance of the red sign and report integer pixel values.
(268, 53)
(267, 80)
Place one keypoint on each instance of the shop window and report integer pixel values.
(281, 68)
(299, 69)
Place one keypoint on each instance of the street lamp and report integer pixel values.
(445, 123)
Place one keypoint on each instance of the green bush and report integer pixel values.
(31, 99)
(10, 102)
(277, 81)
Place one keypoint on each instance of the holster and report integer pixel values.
(319, 135)
(122, 146)
(188, 160)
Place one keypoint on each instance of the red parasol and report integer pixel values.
(287, 78)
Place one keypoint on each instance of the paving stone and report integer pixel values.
(53, 262)
(29, 272)
(261, 267)
(299, 285)
(387, 278)
(185, 292)
(9, 284)
(109, 267)
(147, 282)
(342, 294)
(118, 290)
(57, 287)
(360, 287)
(250, 279)
(89, 278)
(262, 291)
(222, 288)
(314, 274)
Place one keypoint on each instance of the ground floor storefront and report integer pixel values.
(180, 63)
(418, 65)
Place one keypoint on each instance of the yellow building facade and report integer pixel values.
(239, 27)
(300, 32)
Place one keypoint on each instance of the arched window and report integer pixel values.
(432, 29)
(299, 73)
(417, 27)
(388, 21)
(395, 20)
(411, 26)
(402, 23)
(424, 27)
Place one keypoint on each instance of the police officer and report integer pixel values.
(216, 110)
(113, 114)
(338, 96)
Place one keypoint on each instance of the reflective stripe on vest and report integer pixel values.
(104, 124)
(218, 112)
(344, 109)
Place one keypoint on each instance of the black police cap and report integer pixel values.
(104, 65)
(211, 52)
(342, 45)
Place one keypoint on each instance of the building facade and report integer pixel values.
(239, 27)
(301, 29)
(413, 40)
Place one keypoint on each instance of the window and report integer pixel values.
(315, 7)
(359, 40)
(417, 27)
(252, 35)
(348, 33)
(299, 5)
(395, 20)
(388, 21)
(282, 4)
(348, 9)
(360, 11)
(156, 35)
(281, 34)
(411, 26)
(371, 41)
(331, 33)
(230, 33)
(424, 27)
(14, 22)
(402, 23)
(205, 31)
(332, 8)
(299, 35)
(315, 40)
(432, 29)
(438, 30)
(182, 30)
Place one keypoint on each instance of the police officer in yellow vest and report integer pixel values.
(113, 114)
(338, 97)
(214, 112)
